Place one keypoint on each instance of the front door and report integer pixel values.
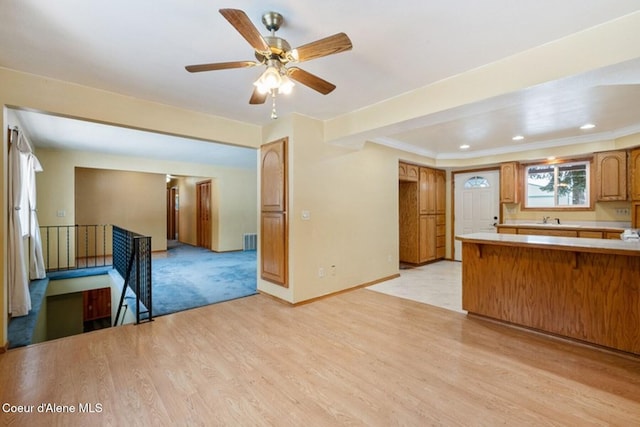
(477, 204)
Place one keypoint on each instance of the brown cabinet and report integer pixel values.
(427, 243)
(273, 206)
(560, 231)
(548, 232)
(440, 236)
(635, 214)
(441, 190)
(509, 182)
(273, 246)
(421, 230)
(590, 234)
(634, 169)
(407, 172)
(611, 175)
(427, 195)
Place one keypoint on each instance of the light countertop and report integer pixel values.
(552, 226)
(577, 244)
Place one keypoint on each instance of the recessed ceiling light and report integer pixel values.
(464, 146)
(518, 138)
(587, 126)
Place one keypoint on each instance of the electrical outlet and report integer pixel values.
(320, 272)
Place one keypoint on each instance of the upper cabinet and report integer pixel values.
(634, 190)
(441, 189)
(427, 196)
(611, 175)
(509, 182)
(407, 172)
(634, 166)
(273, 189)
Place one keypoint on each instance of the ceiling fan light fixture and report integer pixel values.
(270, 79)
(286, 85)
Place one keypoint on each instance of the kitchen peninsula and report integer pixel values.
(580, 288)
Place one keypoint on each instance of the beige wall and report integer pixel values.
(236, 192)
(135, 201)
(352, 199)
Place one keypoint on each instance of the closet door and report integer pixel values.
(273, 215)
(203, 214)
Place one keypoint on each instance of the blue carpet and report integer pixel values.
(192, 277)
(80, 272)
(20, 330)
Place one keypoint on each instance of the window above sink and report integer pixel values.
(563, 185)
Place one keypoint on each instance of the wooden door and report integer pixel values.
(96, 304)
(203, 214)
(273, 206)
(172, 213)
(409, 236)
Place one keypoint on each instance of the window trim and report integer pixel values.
(523, 183)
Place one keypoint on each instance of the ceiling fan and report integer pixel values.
(277, 55)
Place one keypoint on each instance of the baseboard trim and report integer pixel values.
(332, 294)
(4, 348)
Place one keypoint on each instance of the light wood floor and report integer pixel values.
(359, 358)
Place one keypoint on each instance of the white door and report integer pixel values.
(477, 204)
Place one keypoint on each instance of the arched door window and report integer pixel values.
(477, 182)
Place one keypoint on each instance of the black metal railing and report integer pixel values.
(70, 247)
(132, 259)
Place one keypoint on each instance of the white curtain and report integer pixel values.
(36, 260)
(19, 298)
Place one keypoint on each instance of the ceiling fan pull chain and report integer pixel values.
(274, 114)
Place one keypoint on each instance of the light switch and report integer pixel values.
(61, 213)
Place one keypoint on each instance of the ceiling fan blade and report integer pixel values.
(310, 80)
(220, 66)
(257, 97)
(327, 46)
(245, 27)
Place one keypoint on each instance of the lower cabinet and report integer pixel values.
(274, 247)
(427, 242)
(440, 236)
(559, 231)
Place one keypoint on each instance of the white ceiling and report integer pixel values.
(140, 48)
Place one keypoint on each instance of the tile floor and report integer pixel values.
(438, 284)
